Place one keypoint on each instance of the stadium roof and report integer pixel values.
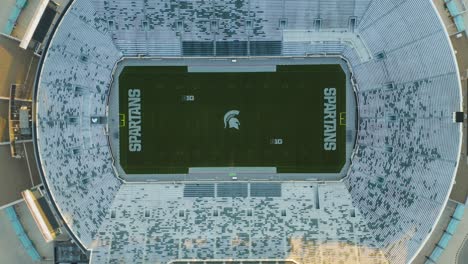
(402, 170)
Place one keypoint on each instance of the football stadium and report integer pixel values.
(248, 131)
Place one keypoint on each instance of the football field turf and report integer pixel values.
(292, 119)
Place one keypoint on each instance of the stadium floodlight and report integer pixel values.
(39, 216)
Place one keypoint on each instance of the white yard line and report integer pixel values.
(18, 141)
(27, 161)
(16, 99)
(11, 204)
(23, 141)
(29, 70)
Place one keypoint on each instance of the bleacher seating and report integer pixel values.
(447, 236)
(14, 15)
(457, 13)
(401, 173)
(21, 234)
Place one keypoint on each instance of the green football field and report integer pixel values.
(292, 119)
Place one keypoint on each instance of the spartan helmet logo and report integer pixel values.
(230, 120)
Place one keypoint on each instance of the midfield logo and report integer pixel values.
(230, 120)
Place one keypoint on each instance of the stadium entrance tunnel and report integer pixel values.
(232, 119)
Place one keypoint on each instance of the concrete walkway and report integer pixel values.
(17, 66)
